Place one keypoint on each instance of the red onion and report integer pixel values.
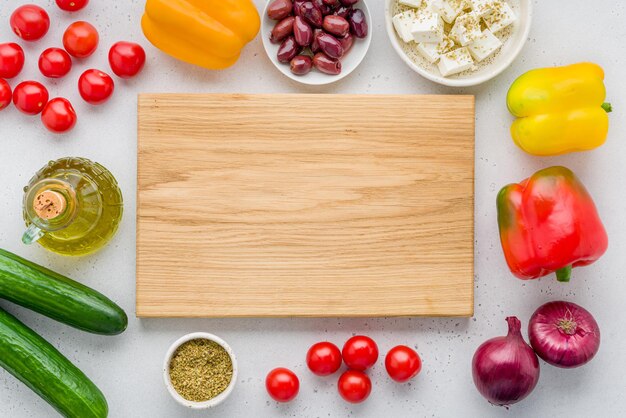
(564, 334)
(506, 369)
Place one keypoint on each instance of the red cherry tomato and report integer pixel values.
(354, 386)
(282, 384)
(402, 363)
(30, 22)
(323, 358)
(11, 60)
(55, 62)
(30, 97)
(80, 39)
(71, 5)
(126, 59)
(360, 352)
(5, 94)
(58, 115)
(95, 87)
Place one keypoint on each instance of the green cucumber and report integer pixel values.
(53, 295)
(47, 372)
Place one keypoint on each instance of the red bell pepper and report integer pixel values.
(549, 223)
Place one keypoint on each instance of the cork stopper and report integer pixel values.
(49, 204)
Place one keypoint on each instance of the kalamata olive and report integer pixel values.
(358, 23)
(279, 9)
(330, 46)
(324, 8)
(331, 3)
(302, 31)
(326, 64)
(287, 50)
(349, 2)
(315, 45)
(301, 64)
(282, 29)
(346, 42)
(311, 13)
(297, 7)
(343, 11)
(336, 25)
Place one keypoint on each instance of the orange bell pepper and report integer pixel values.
(208, 33)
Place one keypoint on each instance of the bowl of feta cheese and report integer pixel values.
(458, 43)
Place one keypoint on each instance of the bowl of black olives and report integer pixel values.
(316, 41)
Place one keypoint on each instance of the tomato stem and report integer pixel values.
(607, 107)
(564, 274)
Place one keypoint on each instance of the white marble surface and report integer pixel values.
(128, 367)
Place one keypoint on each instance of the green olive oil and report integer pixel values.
(72, 206)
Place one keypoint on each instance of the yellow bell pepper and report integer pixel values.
(208, 33)
(560, 110)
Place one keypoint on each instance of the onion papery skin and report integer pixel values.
(564, 334)
(506, 369)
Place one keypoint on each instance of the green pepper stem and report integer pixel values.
(607, 107)
(564, 274)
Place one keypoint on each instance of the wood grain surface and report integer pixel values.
(305, 205)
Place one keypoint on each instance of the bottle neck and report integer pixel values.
(51, 204)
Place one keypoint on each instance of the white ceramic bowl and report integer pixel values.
(166, 374)
(316, 78)
(509, 51)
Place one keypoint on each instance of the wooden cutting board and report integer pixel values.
(305, 205)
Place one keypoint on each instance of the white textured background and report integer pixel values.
(128, 367)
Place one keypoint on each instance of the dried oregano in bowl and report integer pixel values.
(200, 370)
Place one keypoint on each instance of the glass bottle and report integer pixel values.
(72, 206)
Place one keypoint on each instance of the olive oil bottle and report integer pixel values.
(72, 206)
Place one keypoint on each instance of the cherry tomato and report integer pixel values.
(402, 363)
(58, 115)
(30, 97)
(282, 384)
(30, 22)
(5, 94)
(55, 63)
(71, 5)
(80, 39)
(126, 59)
(323, 358)
(360, 352)
(95, 87)
(354, 386)
(11, 60)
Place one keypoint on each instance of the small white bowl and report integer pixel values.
(166, 371)
(500, 62)
(316, 78)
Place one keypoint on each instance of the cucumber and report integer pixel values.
(53, 295)
(47, 372)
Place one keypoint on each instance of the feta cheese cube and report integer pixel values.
(403, 22)
(448, 9)
(411, 3)
(428, 27)
(455, 62)
(483, 7)
(466, 29)
(485, 45)
(500, 17)
(432, 51)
